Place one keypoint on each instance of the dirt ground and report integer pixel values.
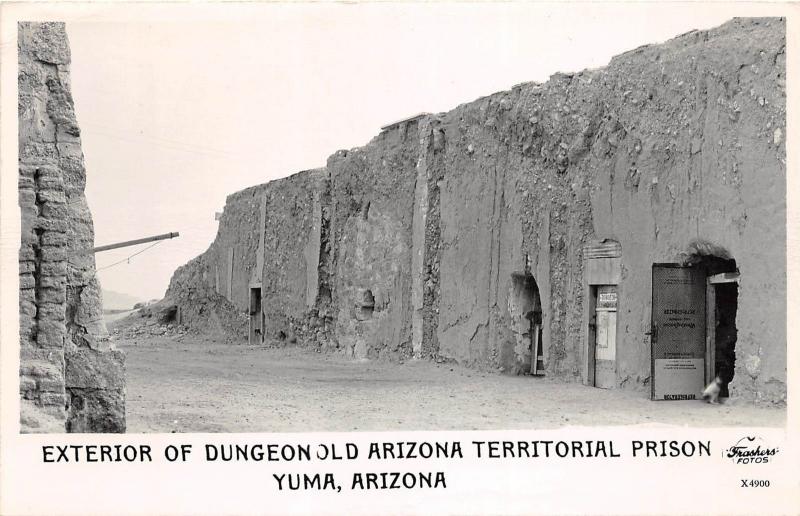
(190, 384)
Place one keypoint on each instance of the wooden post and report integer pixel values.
(135, 242)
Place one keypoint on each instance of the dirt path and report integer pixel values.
(181, 384)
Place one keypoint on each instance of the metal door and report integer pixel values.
(678, 332)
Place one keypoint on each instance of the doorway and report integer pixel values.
(603, 277)
(723, 301)
(256, 333)
(526, 311)
(603, 335)
(693, 330)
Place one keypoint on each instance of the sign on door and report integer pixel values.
(678, 332)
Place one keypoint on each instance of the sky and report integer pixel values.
(181, 106)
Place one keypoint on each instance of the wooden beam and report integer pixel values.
(725, 277)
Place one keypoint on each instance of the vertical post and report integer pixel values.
(591, 333)
(711, 331)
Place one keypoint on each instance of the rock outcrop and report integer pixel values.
(70, 380)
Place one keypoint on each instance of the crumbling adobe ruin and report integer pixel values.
(523, 232)
(70, 380)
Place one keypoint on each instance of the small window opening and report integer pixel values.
(365, 305)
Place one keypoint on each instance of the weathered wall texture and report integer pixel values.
(257, 245)
(212, 290)
(69, 379)
(290, 273)
(673, 151)
(372, 210)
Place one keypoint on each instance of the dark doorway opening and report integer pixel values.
(727, 300)
(526, 310)
(256, 334)
(722, 298)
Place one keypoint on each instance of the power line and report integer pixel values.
(128, 259)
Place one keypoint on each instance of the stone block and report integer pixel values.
(52, 311)
(38, 153)
(53, 295)
(26, 383)
(39, 360)
(28, 214)
(53, 254)
(95, 382)
(28, 236)
(90, 308)
(26, 253)
(30, 79)
(27, 172)
(27, 266)
(25, 182)
(47, 41)
(96, 411)
(26, 197)
(55, 211)
(39, 367)
(53, 238)
(51, 196)
(26, 327)
(50, 385)
(28, 294)
(35, 419)
(53, 399)
(47, 172)
(27, 309)
(81, 261)
(90, 369)
(59, 108)
(70, 150)
(26, 281)
(34, 124)
(72, 167)
(68, 133)
(51, 181)
(49, 339)
(51, 326)
(53, 268)
(51, 224)
(52, 281)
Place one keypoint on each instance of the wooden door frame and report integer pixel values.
(711, 318)
(591, 334)
(255, 309)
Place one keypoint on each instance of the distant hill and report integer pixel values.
(117, 301)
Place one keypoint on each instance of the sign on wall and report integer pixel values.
(678, 332)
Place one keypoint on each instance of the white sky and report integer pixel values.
(176, 114)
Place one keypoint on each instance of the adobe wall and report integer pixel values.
(671, 150)
(292, 241)
(211, 290)
(667, 146)
(69, 378)
(258, 245)
(372, 198)
(699, 164)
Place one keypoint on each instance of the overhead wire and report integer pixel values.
(128, 259)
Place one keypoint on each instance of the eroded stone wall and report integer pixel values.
(372, 190)
(69, 378)
(671, 150)
(293, 307)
